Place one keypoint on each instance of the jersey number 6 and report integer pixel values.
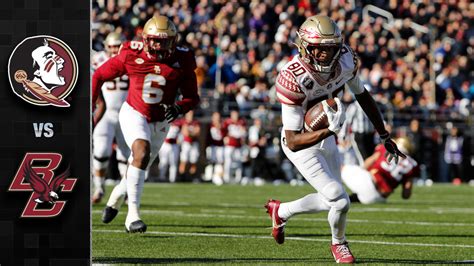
(152, 92)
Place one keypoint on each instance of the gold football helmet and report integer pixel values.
(112, 43)
(319, 42)
(404, 145)
(159, 37)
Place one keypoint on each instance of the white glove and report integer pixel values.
(335, 119)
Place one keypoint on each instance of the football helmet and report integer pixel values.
(112, 43)
(319, 42)
(404, 145)
(159, 37)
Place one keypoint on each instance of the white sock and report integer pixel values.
(337, 221)
(118, 194)
(135, 183)
(311, 203)
(122, 167)
(99, 183)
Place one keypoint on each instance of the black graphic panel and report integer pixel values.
(45, 132)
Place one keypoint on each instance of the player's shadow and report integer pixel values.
(413, 235)
(206, 260)
(410, 261)
(210, 226)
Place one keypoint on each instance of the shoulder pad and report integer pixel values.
(134, 46)
(185, 57)
(288, 90)
(351, 59)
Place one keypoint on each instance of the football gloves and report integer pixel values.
(171, 112)
(335, 118)
(392, 151)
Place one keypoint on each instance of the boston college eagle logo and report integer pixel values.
(36, 174)
(45, 191)
(43, 71)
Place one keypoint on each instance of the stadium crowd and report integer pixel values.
(417, 78)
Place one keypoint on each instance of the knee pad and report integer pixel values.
(336, 196)
(100, 163)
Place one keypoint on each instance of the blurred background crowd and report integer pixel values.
(416, 58)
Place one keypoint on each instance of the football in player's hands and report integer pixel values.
(315, 118)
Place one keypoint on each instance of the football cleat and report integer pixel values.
(342, 253)
(278, 224)
(108, 214)
(136, 227)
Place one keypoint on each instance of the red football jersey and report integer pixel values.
(234, 131)
(173, 132)
(216, 135)
(192, 127)
(389, 175)
(152, 83)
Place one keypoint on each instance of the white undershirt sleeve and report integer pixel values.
(292, 117)
(355, 85)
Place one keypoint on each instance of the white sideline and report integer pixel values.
(235, 216)
(288, 238)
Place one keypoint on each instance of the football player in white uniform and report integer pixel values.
(107, 129)
(320, 71)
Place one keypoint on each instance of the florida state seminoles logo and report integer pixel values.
(43, 71)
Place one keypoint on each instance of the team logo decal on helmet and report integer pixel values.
(319, 43)
(43, 71)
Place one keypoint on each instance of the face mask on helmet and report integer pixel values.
(323, 55)
(159, 48)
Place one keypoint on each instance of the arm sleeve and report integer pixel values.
(189, 85)
(292, 117)
(355, 85)
(189, 91)
(111, 69)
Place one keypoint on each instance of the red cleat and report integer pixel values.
(278, 231)
(342, 253)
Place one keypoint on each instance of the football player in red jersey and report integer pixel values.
(169, 153)
(235, 131)
(156, 68)
(321, 70)
(374, 182)
(215, 150)
(190, 129)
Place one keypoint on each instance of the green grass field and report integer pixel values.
(202, 223)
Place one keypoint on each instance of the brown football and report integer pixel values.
(315, 118)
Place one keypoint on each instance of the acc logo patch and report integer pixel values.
(43, 71)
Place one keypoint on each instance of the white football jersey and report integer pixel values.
(114, 92)
(299, 84)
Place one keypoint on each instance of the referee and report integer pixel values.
(363, 132)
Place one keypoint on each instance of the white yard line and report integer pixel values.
(288, 238)
(247, 217)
